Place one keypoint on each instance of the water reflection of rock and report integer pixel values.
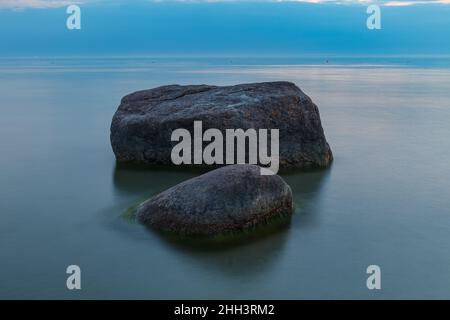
(248, 254)
(307, 188)
(139, 179)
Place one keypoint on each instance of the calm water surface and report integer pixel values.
(384, 201)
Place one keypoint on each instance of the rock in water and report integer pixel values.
(228, 199)
(142, 126)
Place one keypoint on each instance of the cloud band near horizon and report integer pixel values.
(48, 4)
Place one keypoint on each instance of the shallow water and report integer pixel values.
(384, 201)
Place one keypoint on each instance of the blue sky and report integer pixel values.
(115, 27)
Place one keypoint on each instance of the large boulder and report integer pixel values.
(142, 126)
(228, 199)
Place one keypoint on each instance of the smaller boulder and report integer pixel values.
(228, 199)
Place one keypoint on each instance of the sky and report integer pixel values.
(224, 27)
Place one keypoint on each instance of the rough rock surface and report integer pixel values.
(228, 199)
(142, 126)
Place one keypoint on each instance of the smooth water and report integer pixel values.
(384, 201)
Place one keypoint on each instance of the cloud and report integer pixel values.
(411, 3)
(45, 4)
(340, 2)
(39, 4)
